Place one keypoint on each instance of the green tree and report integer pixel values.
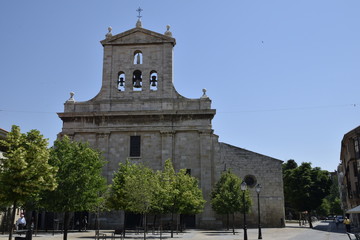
(185, 195)
(163, 189)
(118, 197)
(132, 189)
(334, 197)
(136, 188)
(79, 178)
(227, 197)
(306, 187)
(25, 171)
(335, 207)
(289, 165)
(324, 208)
(286, 167)
(140, 188)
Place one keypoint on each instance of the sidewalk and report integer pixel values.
(322, 230)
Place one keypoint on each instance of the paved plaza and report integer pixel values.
(323, 230)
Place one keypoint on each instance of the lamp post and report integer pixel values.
(243, 188)
(258, 189)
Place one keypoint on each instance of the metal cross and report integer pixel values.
(139, 10)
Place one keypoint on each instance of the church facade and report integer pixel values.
(139, 115)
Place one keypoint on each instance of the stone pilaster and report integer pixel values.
(102, 143)
(206, 165)
(167, 146)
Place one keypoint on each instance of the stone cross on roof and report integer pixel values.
(139, 10)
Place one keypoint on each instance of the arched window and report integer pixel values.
(138, 57)
(137, 80)
(153, 80)
(121, 81)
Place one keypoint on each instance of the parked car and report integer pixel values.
(339, 219)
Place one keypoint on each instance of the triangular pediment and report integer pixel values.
(137, 36)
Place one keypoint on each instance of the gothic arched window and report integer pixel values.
(138, 57)
(153, 80)
(121, 81)
(137, 80)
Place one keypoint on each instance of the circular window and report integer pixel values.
(250, 180)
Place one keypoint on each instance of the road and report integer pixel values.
(323, 230)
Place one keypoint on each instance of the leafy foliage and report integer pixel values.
(164, 189)
(138, 189)
(325, 208)
(79, 177)
(25, 171)
(187, 196)
(119, 196)
(333, 198)
(305, 187)
(227, 196)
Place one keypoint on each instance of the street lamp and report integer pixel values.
(258, 189)
(243, 188)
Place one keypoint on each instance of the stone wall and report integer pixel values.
(266, 171)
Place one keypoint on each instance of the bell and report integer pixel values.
(137, 83)
(153, 81)
(121, 81)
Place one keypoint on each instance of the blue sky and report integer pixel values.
(283, 75)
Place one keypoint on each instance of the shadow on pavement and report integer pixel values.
(220, 233)
(330, 226)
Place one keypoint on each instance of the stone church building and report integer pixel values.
(139, 115)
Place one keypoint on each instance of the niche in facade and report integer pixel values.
(121, 81)
(138, 57)
(153, 80)
(137, 80)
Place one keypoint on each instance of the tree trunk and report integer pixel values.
(144, 222)
(124, 230)
(36, 222)
(309, 218)
(154, 223)
(12, 219)
(172, 225)
(28, 218)
(97, 224)
(66, 224)
(181, 220)
(5, 221)
(233, 222)
(177, 224)
(227, 221)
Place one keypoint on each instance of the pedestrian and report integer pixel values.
(21, 222)
(347, 223)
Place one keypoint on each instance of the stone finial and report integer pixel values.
(71, 99)
(139, 23)
(204, 94)
(109, 34)
(168, 33)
